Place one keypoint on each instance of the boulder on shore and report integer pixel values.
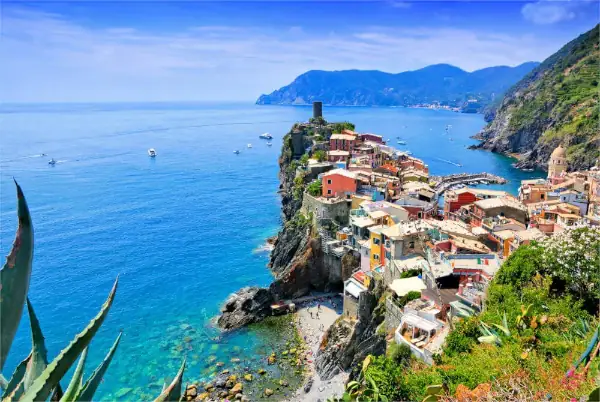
(247, 305)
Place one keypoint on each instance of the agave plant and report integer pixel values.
(35, 379)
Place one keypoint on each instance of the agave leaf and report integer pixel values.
(16, 380)
(173, 391)
(434, 389)
(39, 356)
(74, 387)
(366, 363)
(3, 382)
(430, 398)
(489, 339)
(504, 326)
(91, 385)
(352, 385)
(14, 278)
(45, 383)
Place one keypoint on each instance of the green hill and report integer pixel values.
(440, 83)
(557, 102)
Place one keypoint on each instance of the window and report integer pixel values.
(411, 244)
(328, 181)
(329, 192)
(376, 257)
(542, 196)
(376, 241)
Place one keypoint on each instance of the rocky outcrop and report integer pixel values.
(244, 307)
(297, 258)
(346, 343)
(557, 103)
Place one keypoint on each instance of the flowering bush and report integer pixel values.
(574, 257)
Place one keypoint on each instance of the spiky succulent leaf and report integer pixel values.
(75, 385)
(17, 378)
(489, 339)
(14, 278)
(39, 356)
(173, 392)
(45, 383)
(434, 389)
(3, 382)
(91, 385)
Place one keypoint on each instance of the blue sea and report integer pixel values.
(182, 231)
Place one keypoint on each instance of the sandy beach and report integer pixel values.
(312, 327)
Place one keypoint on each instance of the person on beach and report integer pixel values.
(310, 312)
(319, 307)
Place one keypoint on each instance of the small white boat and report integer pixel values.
(269, 144)
(266, 136)
(249, 145)
(236, 152)
(151, 153)
(402, 142)
(52, 162)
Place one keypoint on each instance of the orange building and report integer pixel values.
(339, 183)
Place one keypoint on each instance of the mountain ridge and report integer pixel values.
(442, 83)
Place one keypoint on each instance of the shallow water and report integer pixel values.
(181, 230)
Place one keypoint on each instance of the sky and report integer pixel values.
(186, 50)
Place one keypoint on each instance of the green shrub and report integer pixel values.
(399, 353)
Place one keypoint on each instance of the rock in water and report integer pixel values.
(247, 305)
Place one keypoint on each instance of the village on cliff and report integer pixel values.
(380, 206)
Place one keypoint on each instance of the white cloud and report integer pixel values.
(48, 58)
(546, 12)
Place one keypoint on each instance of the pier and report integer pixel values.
(443, 183)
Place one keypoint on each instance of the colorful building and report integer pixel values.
(339, 183)
(342, 142)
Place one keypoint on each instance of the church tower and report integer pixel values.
(557, 163)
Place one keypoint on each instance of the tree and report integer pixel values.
(304, 160)
(315, 188)
(320, 155)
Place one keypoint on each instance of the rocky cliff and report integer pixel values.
(556, 103)
(346, 344)
(297, 259)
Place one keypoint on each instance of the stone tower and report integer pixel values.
(317, 109)
(558, 162)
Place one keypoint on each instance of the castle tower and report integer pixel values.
(557, 163)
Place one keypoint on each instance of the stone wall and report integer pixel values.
(393, 315)
(326, 209)
(350, 306)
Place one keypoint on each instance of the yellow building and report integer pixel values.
(377, 250)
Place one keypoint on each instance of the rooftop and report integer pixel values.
(406, 228)
(402, 286)
(347, 137)
(354, 287)
(341, 172)
(338, 152)
(362, 221)
(530, 234)
(491, 203)
(470, 244)
(505, 234)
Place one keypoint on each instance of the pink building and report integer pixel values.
(339, 183)
(342, 142)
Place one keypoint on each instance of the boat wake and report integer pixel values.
(450, 162)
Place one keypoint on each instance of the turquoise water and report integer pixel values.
(181, 230)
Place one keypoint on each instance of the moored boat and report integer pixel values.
(266, 136)
(152, 153)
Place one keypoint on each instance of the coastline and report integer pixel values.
(311, 330)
